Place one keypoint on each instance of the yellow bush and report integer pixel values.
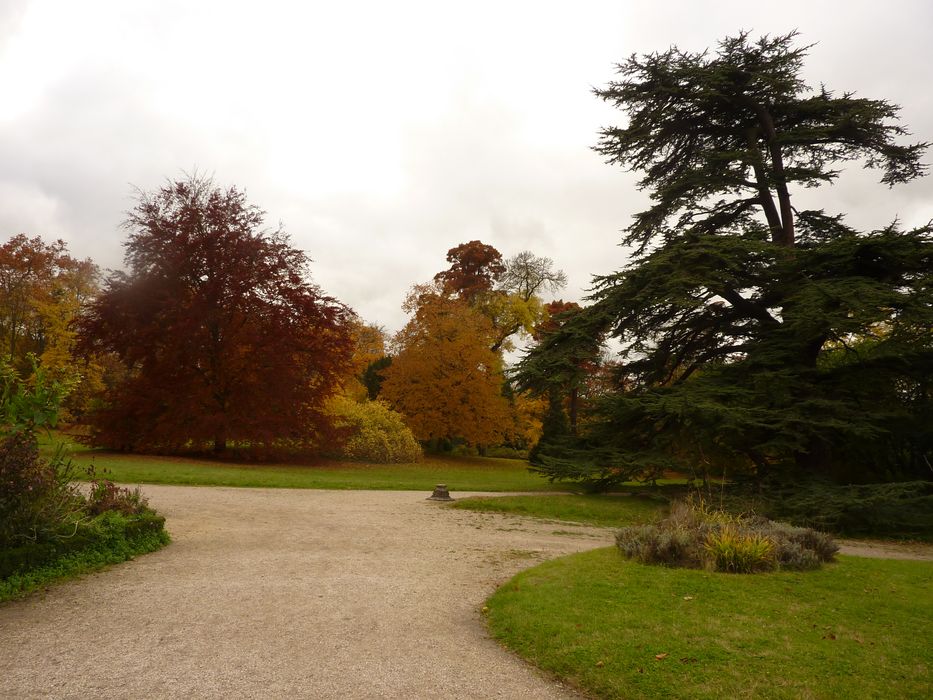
(376, 433)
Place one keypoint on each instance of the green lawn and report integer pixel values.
(856, 629)
(605, 511)
(459, 473)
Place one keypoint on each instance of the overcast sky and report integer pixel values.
(384, 133)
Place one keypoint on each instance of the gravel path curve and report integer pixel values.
(278, 593)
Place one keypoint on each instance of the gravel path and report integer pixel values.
(875, 549)
(289, 594)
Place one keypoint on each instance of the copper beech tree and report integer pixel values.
(224, 338)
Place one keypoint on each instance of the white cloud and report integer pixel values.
(383, 134)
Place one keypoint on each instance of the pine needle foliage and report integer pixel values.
(755, 336)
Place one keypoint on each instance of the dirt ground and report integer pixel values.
(284, 593)
(278, 593)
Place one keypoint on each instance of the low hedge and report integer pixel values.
(108, 538)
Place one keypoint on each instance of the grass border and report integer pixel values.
(618, 629)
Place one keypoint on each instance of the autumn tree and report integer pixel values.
(516, 306)
(742, 318)
(506, 291)
(444, 378)
(475, 267)
(369, 349)
(224, 337)
(42, 288)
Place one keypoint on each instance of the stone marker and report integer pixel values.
(440, 493)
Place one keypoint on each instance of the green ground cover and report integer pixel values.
(858, 628)
(602, 510)
(109, 538)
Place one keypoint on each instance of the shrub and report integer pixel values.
(504, 452)
(903, 509)
(373, 432)
(650, 544)
(38, 502)
(48, 529)
(696, 536)
(107, 496)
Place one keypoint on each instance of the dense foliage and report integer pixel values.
(42, 290)
(38, 502)
(224, 338)
(373, 433)
(754, 336)
(444, 378)
(902, 509)
(48, 527)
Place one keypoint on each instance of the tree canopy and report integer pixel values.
(224, 338)
(444, 378)
(753, 334)
(475, 267)
(42, 288)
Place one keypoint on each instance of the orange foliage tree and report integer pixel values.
(444, 378)
(224, 338)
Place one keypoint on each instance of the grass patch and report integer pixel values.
(459, 473)
(858, 628)
(110, 539)
(602, 510)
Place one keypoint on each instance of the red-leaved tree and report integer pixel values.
(224, 338)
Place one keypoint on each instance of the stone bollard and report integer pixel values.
(440, 493)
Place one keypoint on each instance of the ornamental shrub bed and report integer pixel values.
(694, 536)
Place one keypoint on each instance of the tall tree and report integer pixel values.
(516, 306)
(444, 378)
(42, 288)
(527, 275)
(225, 338)
(507, 292)
(475, 267)
(740, 315)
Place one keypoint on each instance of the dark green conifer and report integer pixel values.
(754, 335)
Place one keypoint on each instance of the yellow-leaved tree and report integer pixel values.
(42, 290)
